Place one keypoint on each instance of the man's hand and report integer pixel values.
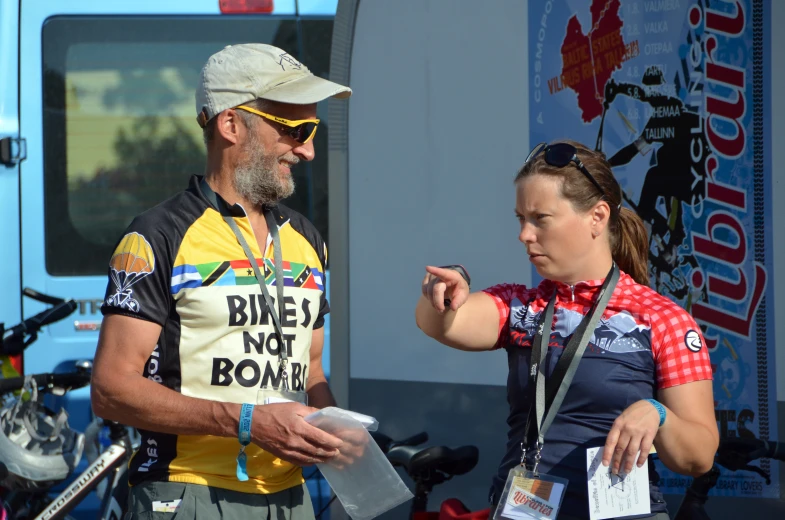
(281, 430)
(355, 443)
(631, 437)
(440, 284)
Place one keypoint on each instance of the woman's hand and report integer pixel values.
(474, 328)
(441, 286)
(631, 437)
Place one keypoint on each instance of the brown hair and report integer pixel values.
(628, 239)
(208, 132)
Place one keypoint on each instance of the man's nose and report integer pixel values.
(305, 152)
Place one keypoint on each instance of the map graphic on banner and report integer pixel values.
(672, 92)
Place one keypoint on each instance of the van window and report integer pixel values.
(120, 131)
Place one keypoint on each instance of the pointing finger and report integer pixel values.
(448, 275)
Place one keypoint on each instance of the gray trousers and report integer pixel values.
(197, 502)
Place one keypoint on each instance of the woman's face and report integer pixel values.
(558, 239)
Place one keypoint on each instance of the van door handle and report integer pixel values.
(13, 150)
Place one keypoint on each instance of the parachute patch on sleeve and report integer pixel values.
(132, 261)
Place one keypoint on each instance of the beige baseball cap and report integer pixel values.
(241, 73)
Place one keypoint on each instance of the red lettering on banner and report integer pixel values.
(731, 253)
(731, 108)
(725, 320)
(712, 163)
(725, 74)
(717, 249)
(726, 194)
(724, 239)
(727, 288)
(728, 24)
(727, 144)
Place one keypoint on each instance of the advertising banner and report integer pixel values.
(672, 91)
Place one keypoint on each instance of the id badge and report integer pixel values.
(529, 496)
(273, 395)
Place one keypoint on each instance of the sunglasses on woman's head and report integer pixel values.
(560, 155)
(301, 130)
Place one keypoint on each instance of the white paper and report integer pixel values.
(611, 496)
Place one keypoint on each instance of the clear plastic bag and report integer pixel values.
(361, 476)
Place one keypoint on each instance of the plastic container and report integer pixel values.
(360, 476)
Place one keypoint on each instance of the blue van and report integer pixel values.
(97, 124)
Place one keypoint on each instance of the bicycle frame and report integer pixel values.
(106, 463)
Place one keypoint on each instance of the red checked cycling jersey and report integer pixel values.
(643, 342)
(180, 265)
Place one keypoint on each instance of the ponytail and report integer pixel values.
(631, 246)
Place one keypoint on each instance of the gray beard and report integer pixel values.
(257, 179)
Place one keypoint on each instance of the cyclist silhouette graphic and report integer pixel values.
(673, 174)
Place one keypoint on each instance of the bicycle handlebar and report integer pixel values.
(778, 451)
(41, 297)
(19, 337)
(67, 381)
(736, 453)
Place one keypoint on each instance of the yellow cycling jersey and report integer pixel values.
(180, 265)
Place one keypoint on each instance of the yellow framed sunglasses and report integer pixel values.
(301, 130)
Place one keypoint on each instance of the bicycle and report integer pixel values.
(428, 467)
(734, 454)
(431, 466)
(28, 490)
(37, 502)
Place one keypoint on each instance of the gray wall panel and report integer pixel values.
(431, 173)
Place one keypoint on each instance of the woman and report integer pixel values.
(643, 379)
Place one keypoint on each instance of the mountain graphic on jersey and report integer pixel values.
(618, 334)
(240, 272)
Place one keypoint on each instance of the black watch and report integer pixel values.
(461, 270)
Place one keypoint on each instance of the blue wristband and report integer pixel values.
(244, 436)
(660, 409)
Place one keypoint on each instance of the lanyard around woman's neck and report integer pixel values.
(565, 369)
(279, 276)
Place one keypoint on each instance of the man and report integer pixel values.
(191, 339)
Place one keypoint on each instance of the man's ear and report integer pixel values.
(229, 125)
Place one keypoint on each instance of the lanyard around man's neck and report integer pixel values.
(272, 226)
